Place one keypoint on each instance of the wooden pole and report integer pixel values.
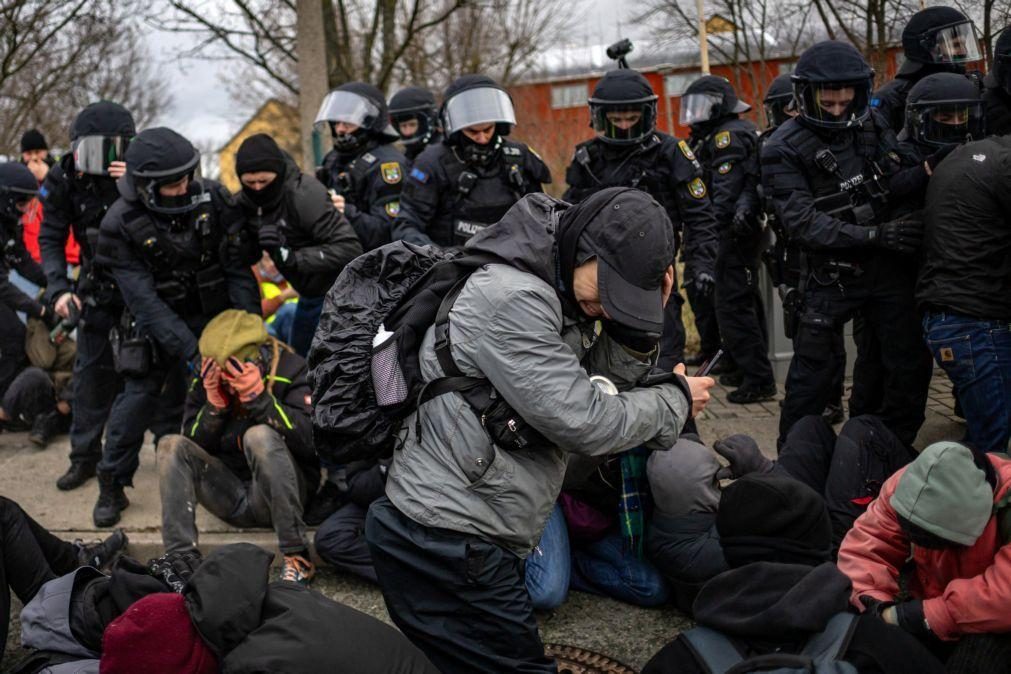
(312, 75)
(703, 41)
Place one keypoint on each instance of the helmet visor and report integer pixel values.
(163, 195)
(696, 108)
(94, 154)
(623, 122)
(483, 105)
(347, 107)
(949, 122)
(954, 44)
(777, 109)
(412, 127)
(834, 105)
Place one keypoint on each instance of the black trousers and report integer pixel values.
(340, 541)
(96, 385)
(29, 395)
(30, 556)
(882, 292)
(460, 599)
(740, 312)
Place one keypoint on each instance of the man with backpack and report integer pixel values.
(782, 606)
(561, 293)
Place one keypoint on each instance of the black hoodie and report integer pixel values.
(766, 606)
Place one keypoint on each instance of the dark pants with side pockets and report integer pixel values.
(30, 556)
(740, 312)
(460, 599)
(188, 475)
(96, 385)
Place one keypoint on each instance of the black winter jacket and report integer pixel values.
(997, 107)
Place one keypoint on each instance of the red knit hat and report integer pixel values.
(155, 636)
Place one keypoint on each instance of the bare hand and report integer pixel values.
(63, 304)
(117, 169)
(39, 168)
(699, 387)
(338, 201)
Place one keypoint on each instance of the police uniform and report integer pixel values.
(998, 105)
(667, 169)
(447, 200)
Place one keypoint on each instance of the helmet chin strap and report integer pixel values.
(480, 155)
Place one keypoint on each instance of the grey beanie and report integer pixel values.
(945, 493)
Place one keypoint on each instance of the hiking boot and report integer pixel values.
(325, 503)
(111, 502)
(78, 473)
(47, 426)
(298, 569)
(832, 414)
(732, 379)
(751, 394)
(101, 554)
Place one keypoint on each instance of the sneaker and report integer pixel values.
(732, 379)
(101, 554)
(751, 394)
(297, 569)
(325, 503)
(111, 501)
(78, 473)
(833, 414)
(47, 426)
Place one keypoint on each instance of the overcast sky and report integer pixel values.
(203, 111)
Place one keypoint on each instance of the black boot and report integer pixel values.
(324, 503)
(748, 394)
(47, 426)
(101, 554)
(78, 473)
(112, 500)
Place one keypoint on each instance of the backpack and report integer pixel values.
(820, 655)
(364, 365)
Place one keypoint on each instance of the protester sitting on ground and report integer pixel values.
(277, 298)
(30, 556)
(246, 451)
(782, 595)
(946, 513)
(685, 483)
(340, 539)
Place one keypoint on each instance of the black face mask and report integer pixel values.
(267, 197)
(479, 155)
(350, 142)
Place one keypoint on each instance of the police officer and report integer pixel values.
(467, 182)
(75, 196)
(415, 117)
(308, 240)
(727, 148)
(997, 88)
(833, 174)
(165, 242)
(628, 151)
(943, 111)
(936, 39)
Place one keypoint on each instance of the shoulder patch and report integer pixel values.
(512, 151)
(722, 139)
(391, 172)
(369, 158)
(725, 167)
(419, 175)
(686, 151)
(392, 208)
(697, 188)
(875, 102)
(43, 192)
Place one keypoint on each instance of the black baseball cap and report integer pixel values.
(632, 238)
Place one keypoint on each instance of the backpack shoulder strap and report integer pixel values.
(831, 643)
(713, 651)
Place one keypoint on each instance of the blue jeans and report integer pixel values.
(280, 327)
(549, 566)
(303, 326)
(976, 354)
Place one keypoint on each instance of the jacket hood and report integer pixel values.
(225, 594)
(768, 600)
(45, 621)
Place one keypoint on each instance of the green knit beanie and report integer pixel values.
(233, 332)
(945, 493)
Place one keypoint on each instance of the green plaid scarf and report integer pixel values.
(634, 495)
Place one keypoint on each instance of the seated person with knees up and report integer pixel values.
(246, 449)
(782, 596)
(947, 512)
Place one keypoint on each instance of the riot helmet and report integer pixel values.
(1002, 60)
(708, 99)
(162, 169)
(940, 35)
(17, 187)
(944, 109)
(778, 101)
(473, 100)
(100, 135)
(832, 85)
(417, 105)
(359, 105)
(623, 107)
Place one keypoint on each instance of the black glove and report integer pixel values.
(910, 617)
(744, 456)
(902, 236)
(632, 339)
(705, 284)
(874, 606)
(743, 223)
(271, 237)
(935, 159)
(175, 568)
(49, 317)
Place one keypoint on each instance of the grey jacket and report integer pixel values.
(45, 624)
(508, 326)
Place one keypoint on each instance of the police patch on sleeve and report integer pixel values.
(391, 172)
(724, 168)
(419, 175)
(722, 139)
(392, 208)
(686, 151)
(697, 188)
